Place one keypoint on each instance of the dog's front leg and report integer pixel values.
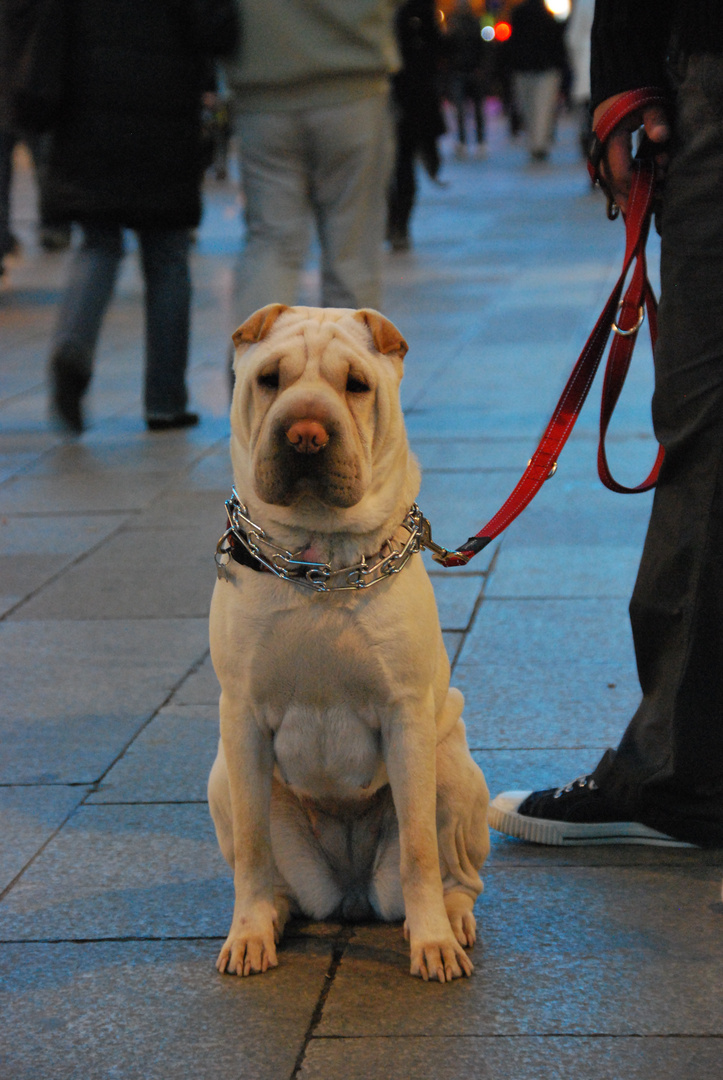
(410, 756)
(250, 946)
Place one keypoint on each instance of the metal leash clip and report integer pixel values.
(439, 553)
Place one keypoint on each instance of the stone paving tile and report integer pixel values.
(561, 951)
(456, 598)
(176, 508)
(172, 571)
(546, 673)
(12, 464)
(35, 550)
(168, 762)
(549, 632)
(37, 537)
(125, 872)
(212, 473)
(100, 456)
(467, 455)
(200, 688)
(564, 570)
(508, 706)
(547, 1058)
(30, 815)
(153, 1011)
(100, 681)
(79, 492)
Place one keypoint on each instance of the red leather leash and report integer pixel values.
(623, 317)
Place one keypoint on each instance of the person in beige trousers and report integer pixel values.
(310, 93)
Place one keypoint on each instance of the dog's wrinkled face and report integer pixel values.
(316, 392)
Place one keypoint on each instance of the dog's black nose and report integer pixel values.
(307, 436)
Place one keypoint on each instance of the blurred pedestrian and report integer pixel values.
(466, 62)
(310, 93)
(536, 56)
(577, 39)
(418, 112)
(53, 236)
(663, 785)
(126, 152)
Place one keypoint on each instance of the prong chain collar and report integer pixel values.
(319, 577)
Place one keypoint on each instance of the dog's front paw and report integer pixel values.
(459, 907)
(248, 949)
(441, 960)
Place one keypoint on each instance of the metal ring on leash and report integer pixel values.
(633, 329)
(551, 473)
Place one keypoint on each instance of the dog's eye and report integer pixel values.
(269, 380)
(355, 385)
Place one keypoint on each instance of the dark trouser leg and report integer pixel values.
(668, 769)
(93, 271)
(7, 145)
(164, 254)
(475, 95)
(403, 186)
(456, 93)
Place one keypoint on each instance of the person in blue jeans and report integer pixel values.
(663, 784)
(93, 271)
(126, 154)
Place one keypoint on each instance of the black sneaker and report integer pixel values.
(579, 813)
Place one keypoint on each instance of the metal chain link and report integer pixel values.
(317, 576)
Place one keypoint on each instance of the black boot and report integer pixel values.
(70, 371)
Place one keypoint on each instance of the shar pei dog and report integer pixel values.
(343, 787)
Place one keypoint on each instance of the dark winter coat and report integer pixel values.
(537, 42)
(415, 87)
(631, 42)
(127, 146)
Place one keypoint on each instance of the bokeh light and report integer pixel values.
(559, 8)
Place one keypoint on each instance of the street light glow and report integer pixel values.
(559, 8)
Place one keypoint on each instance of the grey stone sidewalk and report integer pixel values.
(114, 899)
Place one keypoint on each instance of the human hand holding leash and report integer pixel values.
(616, 164)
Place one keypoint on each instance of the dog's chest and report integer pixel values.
(328, 753)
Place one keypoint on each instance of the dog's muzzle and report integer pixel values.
(307, 457)
(307, 436)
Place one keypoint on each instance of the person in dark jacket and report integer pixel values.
(663, 784)
(467, 59)
(126, 152)
(535, 53)
(53, 236)
(418, 112)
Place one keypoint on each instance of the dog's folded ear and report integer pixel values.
(386, 337)
(258, 325)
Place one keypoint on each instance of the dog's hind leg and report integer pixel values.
(297, 842)
(385, 890)
(219, 803)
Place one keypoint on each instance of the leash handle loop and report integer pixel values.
(622, 310)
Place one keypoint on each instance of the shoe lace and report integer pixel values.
(584, 781)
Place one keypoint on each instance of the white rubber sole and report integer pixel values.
(504, 818)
